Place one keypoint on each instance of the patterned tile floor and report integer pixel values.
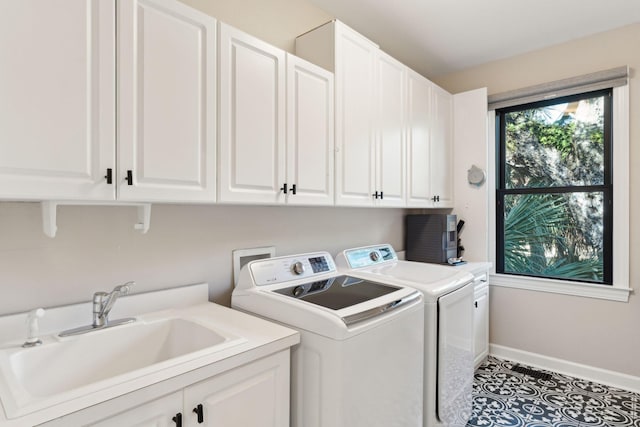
(502, 397)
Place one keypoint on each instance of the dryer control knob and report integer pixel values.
(375, 256)
(297, 267)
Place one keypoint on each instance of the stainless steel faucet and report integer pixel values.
(102, 304)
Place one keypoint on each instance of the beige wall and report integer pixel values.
(589, 331)
(97, 248)
(275, 21)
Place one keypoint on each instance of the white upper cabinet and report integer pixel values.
(429, 144)
(390, 131)
(441, 157)
(418, 141)
(355, 58)
(252, 119)
(166, 102)
(394, 128)
(57, 99)
(276, 125)
(336, 47)
(370, 115)
(310, 143)
(58, 105)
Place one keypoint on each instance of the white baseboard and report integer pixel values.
(598, 375)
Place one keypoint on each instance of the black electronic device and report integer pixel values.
(431, 238)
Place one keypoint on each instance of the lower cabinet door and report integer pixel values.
(157, 413)
(254, 395)
(481, 325)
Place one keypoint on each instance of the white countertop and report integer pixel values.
(473, 267)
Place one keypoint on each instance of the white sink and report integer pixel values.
(62, 369)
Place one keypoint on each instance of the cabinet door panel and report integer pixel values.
(252, 118)
(481, 324)
(255, 395)
(418, 141)
(390, 126)
(355, 111)
(57, 99)
(442, 147)
(157, 413)
(310, 147)
(167, 102)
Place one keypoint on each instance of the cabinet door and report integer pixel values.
(252, 119)
(167, 81)
(471, 147)
(355, 112)
(418, 141)
(254, 395)
(481, 323)
(157, 413)
(441, 165)
(310, 147)
(57, 99)
(390, 127)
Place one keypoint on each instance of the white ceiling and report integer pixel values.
(441, 36)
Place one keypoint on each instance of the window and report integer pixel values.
(554, 198)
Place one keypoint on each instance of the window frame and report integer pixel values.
(606, 188)
(619, 289)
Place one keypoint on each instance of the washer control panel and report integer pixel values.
(371, 255)
(283, 269)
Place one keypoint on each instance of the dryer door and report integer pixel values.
(455, 356)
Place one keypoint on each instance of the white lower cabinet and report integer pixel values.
(252, 395)
(481, 319)
(159, 413)
(255, 395)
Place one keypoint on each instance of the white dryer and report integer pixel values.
(360, 358)
(448, 327)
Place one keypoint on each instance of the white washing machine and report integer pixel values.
(360, 358)
(448, 327)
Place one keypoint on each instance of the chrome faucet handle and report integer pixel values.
(34, 328)
(123, 289)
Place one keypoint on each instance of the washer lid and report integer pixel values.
(338, 292)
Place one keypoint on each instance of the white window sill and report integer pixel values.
(606, 292)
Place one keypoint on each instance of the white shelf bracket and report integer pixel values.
(50, 214)
(49, 218)
(144, 218)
